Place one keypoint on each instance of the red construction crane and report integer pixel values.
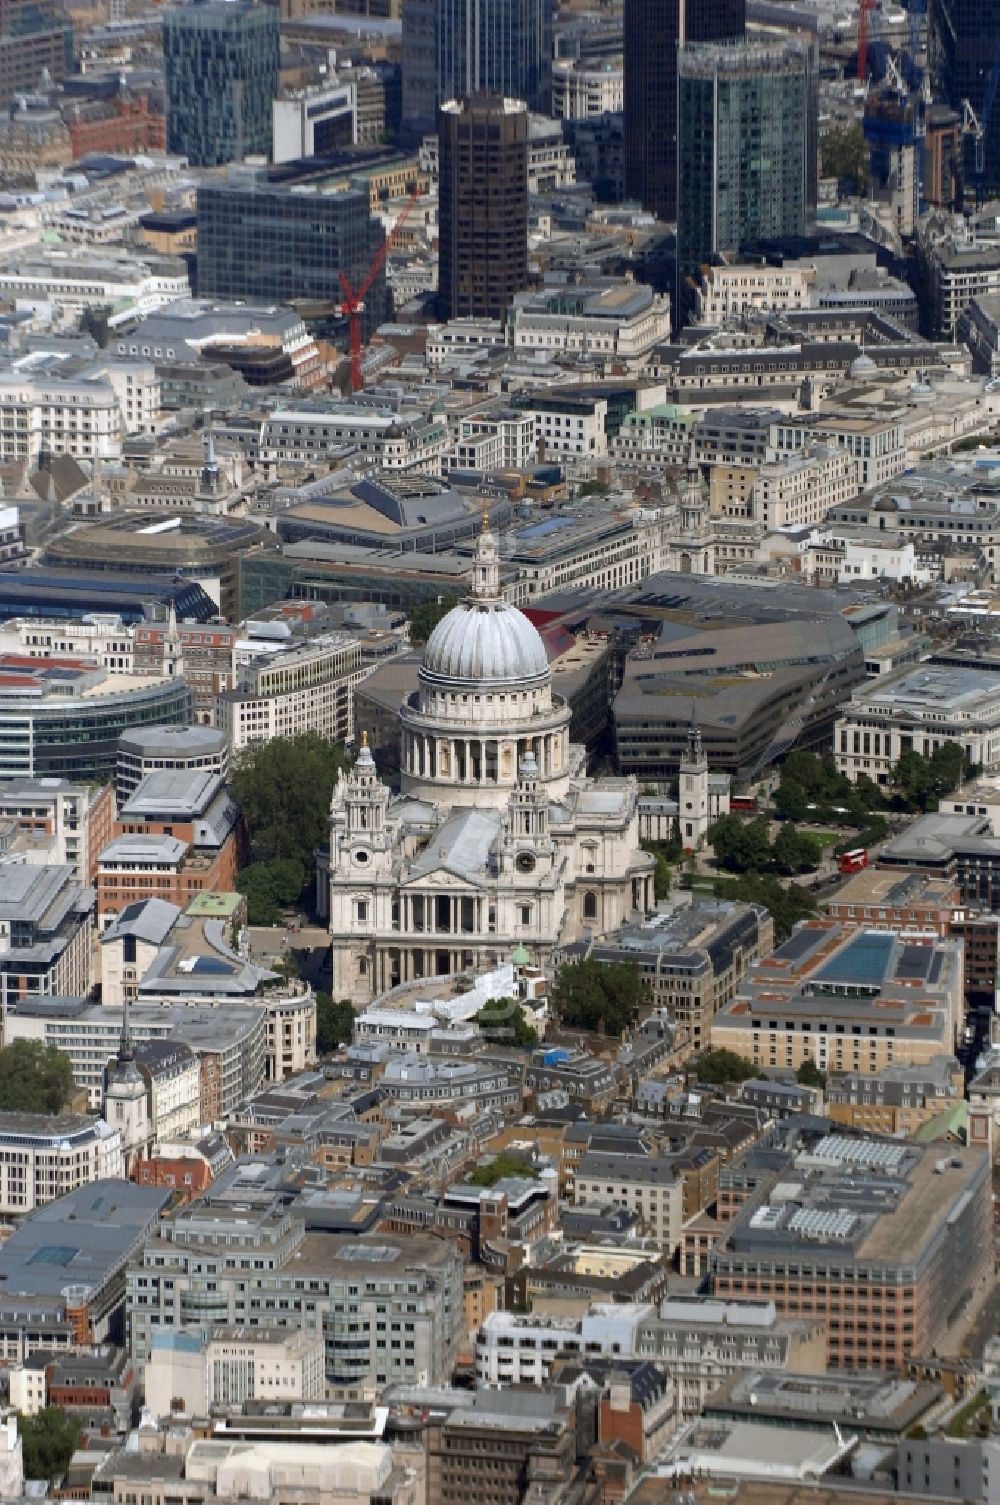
(865, 7)
(353, 302)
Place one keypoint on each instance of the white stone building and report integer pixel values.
(307, 687)
(931, 705)
(582, 89)
(731, 292)
(497, 839)
(43, 1156)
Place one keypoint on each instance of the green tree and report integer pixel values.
(34, 1078)
(48, 1441)
(718, 1066)
(503, 1020)
(661, 873)
(287, 967)
(809, 1075)
(334, 1023)
(590, 994)
(426, 615)
(788, 903)
(256, 885)
(500, 1166)
(843, 155)
(742, 846)
(796, 851)
(283, 788)
(269, 887)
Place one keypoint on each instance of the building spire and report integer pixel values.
(486, 569)
(126, 1051)
(694, 731)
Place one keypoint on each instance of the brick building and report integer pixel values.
(867, 1235)
(126, 124)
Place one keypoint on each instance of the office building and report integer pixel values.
(869, 1235)
(897, 1100)
(701, 1342)
(45, 932)
(64, 1265)
(964, 54)
(691, 958)
(43, 1156)
(221, 73)
(389, 1310)
(68, 595)
(309, 687)
(742, 135)
(271, 243)
(654, 31)
(63, 717)
(310, 122)
(193, 548)
(231, 1366)
(229, 1041)
(35, 36)
(76, 278)
(651, 1186)
(931, 705)
(147, 749)
(483, 205)
(459, 47)
(855, 1000)
(59, 822)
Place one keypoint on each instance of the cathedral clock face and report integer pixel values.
(361, 856)
(525, 862)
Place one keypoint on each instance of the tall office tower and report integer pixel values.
(452, 48)
(272, 243)
(742, 148)
(654, 31)
(963, 48)
(35, 37)
(482, 205)
(220, 60)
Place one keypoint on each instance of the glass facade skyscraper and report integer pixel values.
(963, 45)
(482, 206)
(742, 148)
(220, 61)
(271, 243)
(654, 30)
(453, 48)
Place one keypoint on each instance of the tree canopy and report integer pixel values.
(809, 1075)
(283, 788)
(426, 615)
(810, 788)
(334, 1023)
(589, 994)
(843, 155)
(503, 1020)
(723, 1066)
(270, 886)
(48, 1441)
(500, 1166)
(788, 903)
(34, 1078)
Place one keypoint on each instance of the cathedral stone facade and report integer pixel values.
(497, 839)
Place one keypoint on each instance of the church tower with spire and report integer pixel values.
(693, 798)
(126, 1101)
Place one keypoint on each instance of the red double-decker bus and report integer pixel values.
(854, 860)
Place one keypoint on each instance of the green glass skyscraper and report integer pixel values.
(743, 142)
(220, 60)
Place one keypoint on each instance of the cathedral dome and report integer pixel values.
(485, 642)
